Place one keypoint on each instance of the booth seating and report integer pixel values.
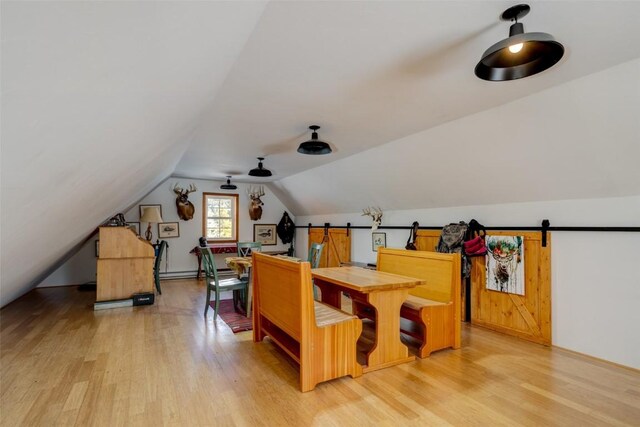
(320, 338)
(433, 309)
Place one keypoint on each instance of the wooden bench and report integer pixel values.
(320, 338)
(432, 309)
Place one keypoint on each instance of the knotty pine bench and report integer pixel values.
(431, 313)
(320, 338)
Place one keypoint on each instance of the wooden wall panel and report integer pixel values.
(337, 245)
(528, 316)
(427, 240)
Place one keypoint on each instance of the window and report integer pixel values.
(220, 217)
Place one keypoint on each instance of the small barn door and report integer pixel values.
(337, 245)
(526, 316)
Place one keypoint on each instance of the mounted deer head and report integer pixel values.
(376, 216)
(185, 207)
(255, 209)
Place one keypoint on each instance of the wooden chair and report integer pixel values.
(156, 265)
(217, 286)
(246, 248)
(320, 338)
(315, 252)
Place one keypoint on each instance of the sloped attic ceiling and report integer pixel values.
(579, 140)
(371, 72)
(101, 99)
(99, 102)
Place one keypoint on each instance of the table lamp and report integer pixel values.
(150, 215)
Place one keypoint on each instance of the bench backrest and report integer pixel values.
(441, 272)
(283, 293)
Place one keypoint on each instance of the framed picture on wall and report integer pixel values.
(168, 229)
(378, 240)
(143, 207)
(264, 233)
(135, 226)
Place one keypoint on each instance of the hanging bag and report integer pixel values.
(452, 240)
(474, 245)
(413, 234)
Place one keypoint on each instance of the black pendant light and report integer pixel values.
(260, 170)
(521, 54)
(314, 146)
(228, 185)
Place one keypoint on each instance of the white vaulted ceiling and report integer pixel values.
(373, 72)
(101, 101)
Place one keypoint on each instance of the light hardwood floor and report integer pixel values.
(64, 364)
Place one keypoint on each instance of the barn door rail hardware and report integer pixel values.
(544, 227)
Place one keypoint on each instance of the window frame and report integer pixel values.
(235, 220)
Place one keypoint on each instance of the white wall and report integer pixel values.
(578, 140)
(595, 276)
(99, 100)
(81, 267)
(180, 260)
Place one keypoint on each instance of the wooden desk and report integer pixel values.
(385, 292)
(125, 264)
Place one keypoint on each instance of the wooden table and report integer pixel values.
(385, 292)
(242, 265)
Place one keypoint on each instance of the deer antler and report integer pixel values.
(191, 189)
(177, 189)
(377, 213)
(255, 193)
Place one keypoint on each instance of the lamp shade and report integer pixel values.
(228, 185)
(314, 146)
(521, 54)
(260, 171)
(151, 214)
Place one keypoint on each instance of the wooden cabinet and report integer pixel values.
(125, 264)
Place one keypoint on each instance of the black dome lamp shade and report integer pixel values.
(228, 185)
(521, 54)
(260, 170)
(314, 146)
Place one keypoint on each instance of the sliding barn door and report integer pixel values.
(526, 316)
(337, 245)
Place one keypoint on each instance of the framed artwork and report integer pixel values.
(378, 240)
(142, 208)
(505, 264)
(168, 229)
(135, 226)
(97, 248)
(264, 233)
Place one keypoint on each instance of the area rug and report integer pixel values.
(234, 320)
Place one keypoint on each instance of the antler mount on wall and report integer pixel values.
(185, 207)
(255, 207)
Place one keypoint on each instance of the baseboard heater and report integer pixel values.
(144, 298)
(191, 274)
(118, 303)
